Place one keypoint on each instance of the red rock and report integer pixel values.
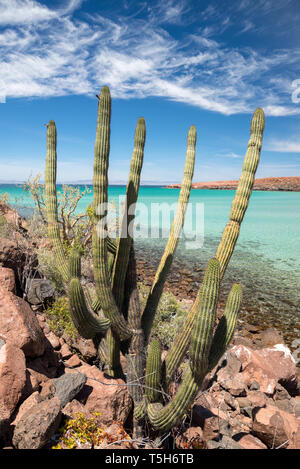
(11, 255)
(257, 398)
(12, 377)
(47, 390)
(233, 383)
(73, 362)
(250, 442)
(274, 426)
(115, 437)
(65, 352)
(7, 279)
(192, 438)
(261, 184)
(46, 366)
(267, 366)
(19, 324)
(54, 341)
(85, 346)
(110, 397)
(32, 400)
(37, 424)
(35, 377)
(74, 408)
(32, 383)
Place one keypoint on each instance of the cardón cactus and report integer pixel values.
(116, 317)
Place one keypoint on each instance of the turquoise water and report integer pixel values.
(267, 256)
(271, 227)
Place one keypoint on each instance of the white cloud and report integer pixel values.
(50, 53)
(23, 11)
(229, 155)
(283, 146)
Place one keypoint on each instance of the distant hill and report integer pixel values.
(262, 184)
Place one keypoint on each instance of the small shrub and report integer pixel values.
(81, 431)
(4, 228)
(49, 269)
(35, 227)
(59, 319)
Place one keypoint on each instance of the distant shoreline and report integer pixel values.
(291, 184)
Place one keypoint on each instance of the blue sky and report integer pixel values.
(177, 63)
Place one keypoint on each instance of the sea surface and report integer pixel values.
(266, 260)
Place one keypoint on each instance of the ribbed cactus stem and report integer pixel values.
(165, 418)
(243, 191)
(229, 237)
(205, 320)
(226, 326)
(87, 324)
(125, 239)
(176, 228)
(153, 372)
(100, 200)
(51, 202)
(75, 264)
(140, 410)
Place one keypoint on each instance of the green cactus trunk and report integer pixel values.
(51, 202)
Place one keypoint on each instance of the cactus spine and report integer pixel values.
(117, 311)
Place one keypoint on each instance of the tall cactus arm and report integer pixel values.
(226, 326)
(204, 324)
(165, 418)
(87, 324)
(229, 237)
(167, 258)
(169, 416)
(135, 354)
(153, 372)
(75, 264)
(51, 202)
(125, 239)
(243, 191)
(100, 182)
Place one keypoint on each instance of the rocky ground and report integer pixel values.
(251, 400)
(261, 184)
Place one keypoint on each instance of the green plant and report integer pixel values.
(116, 317)
(75, 228)
(49, 268)
(78, 431)
(58, 318)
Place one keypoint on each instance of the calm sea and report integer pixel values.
(267, 256)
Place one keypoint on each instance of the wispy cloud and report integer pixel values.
(14, 12)
(229, 155)
(47, 52)
(283, 146)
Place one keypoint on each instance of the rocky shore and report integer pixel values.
(262, 184)
(251, 400)
(53, 393)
